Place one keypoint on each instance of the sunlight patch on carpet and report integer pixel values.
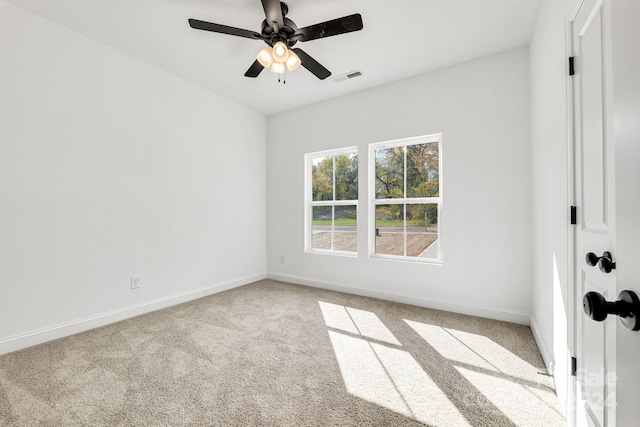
(358, 322)
(510, 383)
(475, 350)
(375, 370)
(510, 398)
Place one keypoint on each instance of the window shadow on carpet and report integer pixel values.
(448, 377)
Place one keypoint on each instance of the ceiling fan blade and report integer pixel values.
(312, 65)
(273, 12)
(343, 25)
(255, 69)
(223, 29)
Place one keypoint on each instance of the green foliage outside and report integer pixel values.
(343, 216)
(346, 178)
(422, 180)
(350, 222)
(423, 172)
(425, 216)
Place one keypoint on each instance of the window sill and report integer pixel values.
(415, 260)
(332, 253)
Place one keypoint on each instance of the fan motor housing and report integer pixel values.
(283, 35)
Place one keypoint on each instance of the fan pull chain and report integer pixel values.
(284, 77)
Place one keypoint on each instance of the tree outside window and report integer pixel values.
(332, 201)
(406, 198)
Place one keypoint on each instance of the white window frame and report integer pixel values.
(373, 202)
(310, 204)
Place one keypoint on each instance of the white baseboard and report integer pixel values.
(547, 356)
(487, 312)
(28, 339)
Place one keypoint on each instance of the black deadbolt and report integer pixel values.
(627, 307)
(604, 262)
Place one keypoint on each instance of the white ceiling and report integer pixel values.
(400, 39)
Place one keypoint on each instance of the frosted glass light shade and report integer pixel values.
(280, 52)
(293, 61)
(265, 57)
(277, 67)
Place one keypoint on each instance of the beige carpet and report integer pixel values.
(278, 354)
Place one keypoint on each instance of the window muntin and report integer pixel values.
(332, 202)
(405, 199)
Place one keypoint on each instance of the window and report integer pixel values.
(331, 215)
(405, 199)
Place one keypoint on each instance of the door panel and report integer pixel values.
(594, 339)
(593, 170)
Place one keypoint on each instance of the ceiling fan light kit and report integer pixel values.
(277, 57)
(293, 61)
(277, 67)
(280, 52)
(265, 57)
(281, 34)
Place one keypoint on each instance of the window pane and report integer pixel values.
(347, 176)
(390, 173)
(321, 227)
(345, 236)
(390, 229)
(322, 178)
(422, 230)
(423, 170)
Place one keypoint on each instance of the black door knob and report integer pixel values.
(627, 307)
(592, 259)
(604, 262)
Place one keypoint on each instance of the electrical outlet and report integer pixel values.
(135, 282)
(281, 259)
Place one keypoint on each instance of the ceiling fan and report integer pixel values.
(281, 34)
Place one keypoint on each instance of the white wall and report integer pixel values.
(482, 109)
(549, 153)
(111, 168)
(626, 118)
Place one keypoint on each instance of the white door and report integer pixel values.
(595, 342)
